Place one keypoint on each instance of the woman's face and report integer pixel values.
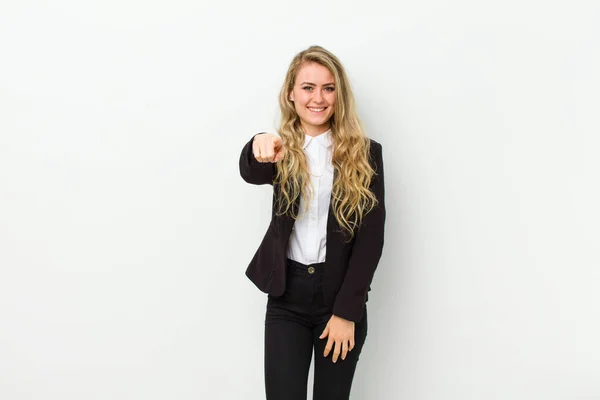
(314, 97)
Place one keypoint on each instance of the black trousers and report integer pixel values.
(293, 324)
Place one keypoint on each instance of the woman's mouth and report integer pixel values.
(316, 110)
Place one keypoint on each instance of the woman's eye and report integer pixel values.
(328, 88)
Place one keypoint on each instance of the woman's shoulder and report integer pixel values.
(374, 146)
(374, 142)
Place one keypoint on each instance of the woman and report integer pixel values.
(319, 254)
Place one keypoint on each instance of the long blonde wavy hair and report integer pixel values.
(351, 197)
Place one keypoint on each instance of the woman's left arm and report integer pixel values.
(366, 251)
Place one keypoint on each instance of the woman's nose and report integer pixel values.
(318, 96)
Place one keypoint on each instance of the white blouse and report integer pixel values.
(308, 239)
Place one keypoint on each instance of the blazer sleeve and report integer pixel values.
(366, 251)
(253, 171)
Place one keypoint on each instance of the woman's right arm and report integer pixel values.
(253, 171)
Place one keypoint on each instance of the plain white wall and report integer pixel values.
(125, 228)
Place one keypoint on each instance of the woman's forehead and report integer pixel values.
(314, 73)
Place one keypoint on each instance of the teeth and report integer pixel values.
(316, 109)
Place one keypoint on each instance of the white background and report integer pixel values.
(125, 228)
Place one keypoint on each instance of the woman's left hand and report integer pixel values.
(341, 333)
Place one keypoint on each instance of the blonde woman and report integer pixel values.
(318, 257)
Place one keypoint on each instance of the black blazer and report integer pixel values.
(349, 267)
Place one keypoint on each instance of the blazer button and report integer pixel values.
(311, 270)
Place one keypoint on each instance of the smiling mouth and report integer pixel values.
(317, 110)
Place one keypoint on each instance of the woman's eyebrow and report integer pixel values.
(310, 83)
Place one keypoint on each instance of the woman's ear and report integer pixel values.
(291, 96)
